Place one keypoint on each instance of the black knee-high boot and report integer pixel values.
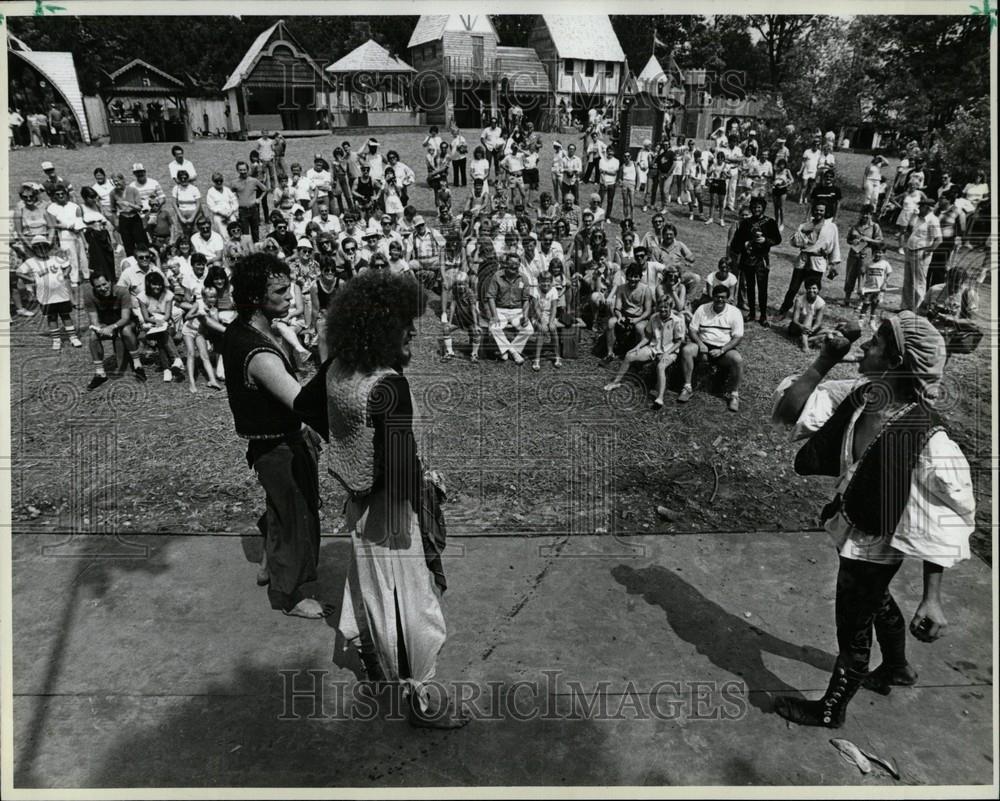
(830, 710)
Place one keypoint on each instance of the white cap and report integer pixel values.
(374, 229)
(40, 239)
(647, 142)
(48, 165)
(137, 167)
(304, 243)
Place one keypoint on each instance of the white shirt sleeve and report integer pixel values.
(820, 406)
(940, 513)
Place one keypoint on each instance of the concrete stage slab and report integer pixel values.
(651, 660)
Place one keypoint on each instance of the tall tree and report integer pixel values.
(780, 33)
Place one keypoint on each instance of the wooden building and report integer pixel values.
(584, 60)
(455, 56)
(277, 85)
(371, 87)
(145, 104)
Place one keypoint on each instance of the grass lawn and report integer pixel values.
(522, 451)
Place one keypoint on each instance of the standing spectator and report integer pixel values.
(871, 184)
(752, 242)
(595, 150)
(148, 189)
(950, 219)
(66, 218)
(493, 143)
(862, 239)
(660, 176)
(279, 147)
(608, 166)
(558, 157)
(734, 158)
(106, 193)
(716, 330)
(97, 240)
(180, 163)
(265, 149)
(808, 169)
(818, 242)
(921, 239)
(131, 227)
(572, 167)
(15, 121)
(222, 204)
(186, 203)
(782, 183)
(248, 191)
(828, 194)
(53, 180)
(630, 180)
(643, 164)
(50, 276)
(460, 153)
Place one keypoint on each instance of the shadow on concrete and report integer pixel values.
(728, 641)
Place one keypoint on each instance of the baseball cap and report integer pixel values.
(386, 218)
(137, 167)
(48, 165)
(304, 243)
(595, 196)
(418, 220)
(39, 239)
(647, 142)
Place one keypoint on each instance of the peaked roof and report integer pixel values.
(370, 57)
(60, 70)
(138, 62)
(250, 58)
(587, 37)
(525, 68)
(431, 27)
(652, 71)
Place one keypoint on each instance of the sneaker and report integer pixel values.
(168, 377)
(685, 395)
(691, 217)
(25, 313)
(140, 374)
(536, 366)
(474, 358)
(558, 363)
(657, 405)
(56, 344)
(518, 358)
(709, 221)
(612, 386)
(722, 224)
(75, 341)
(734, 403)
(96, 381)
(504, 356)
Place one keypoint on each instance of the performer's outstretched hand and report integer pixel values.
(928, 622)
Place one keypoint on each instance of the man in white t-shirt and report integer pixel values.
(493, 141)
(181, 163)
(208, 242)
(922, 238)
(716, 330)
(809, 168)
(608, 167)
(265, 149)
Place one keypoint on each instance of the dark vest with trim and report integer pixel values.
(877, 493)
(257, 414)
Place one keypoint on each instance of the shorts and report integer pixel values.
(63, 308)
(717, 186)
(873, 296)
(531, 178)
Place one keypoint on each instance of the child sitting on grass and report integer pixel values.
(807, 315)
(721, 277)
(196, 319)
(662, 342)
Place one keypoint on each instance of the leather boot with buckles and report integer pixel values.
(830, 710)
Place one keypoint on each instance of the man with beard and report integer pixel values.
(361, 400)
(262, 388)
(904, 490)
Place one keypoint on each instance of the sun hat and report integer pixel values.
(137, 167)
(304, 243)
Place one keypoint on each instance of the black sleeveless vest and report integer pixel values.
(878, 491)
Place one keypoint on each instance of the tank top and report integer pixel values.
(257, 414)
(324, 296)
(33, 222)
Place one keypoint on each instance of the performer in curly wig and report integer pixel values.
(361, 401)
(282, 452)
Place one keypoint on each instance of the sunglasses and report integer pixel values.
(349, 251)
